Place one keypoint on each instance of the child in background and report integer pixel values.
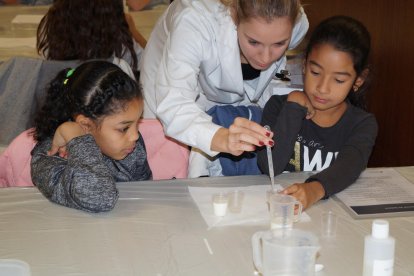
(325, 128)
(83, 30)
(87, 137)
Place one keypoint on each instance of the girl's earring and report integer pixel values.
(356, 88)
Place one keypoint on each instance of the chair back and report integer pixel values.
(167, 157)
(23, 84)
(15, 161)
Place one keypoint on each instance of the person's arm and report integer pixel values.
(134, 167)
(352, 159)
(138, 37)
(137, 5)
(80, 181)
(285, 120)
(176, 91)
(285, 115)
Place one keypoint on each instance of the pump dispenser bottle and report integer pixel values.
(379, 250)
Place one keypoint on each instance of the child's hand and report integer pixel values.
(302, 99)
(63, 134)
(307, 193)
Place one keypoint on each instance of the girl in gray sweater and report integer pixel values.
(87, 137)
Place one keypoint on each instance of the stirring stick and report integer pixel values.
(270, 162)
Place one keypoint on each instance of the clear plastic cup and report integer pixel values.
(329, 221)
(235, 201)
(269, 193)
(285, 252)
(282, 211)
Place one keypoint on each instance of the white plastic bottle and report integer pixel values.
(379, 250)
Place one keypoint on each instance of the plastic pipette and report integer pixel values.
(270, 162)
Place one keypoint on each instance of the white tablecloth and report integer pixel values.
(157, 229)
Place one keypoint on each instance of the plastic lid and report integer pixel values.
(380, 229)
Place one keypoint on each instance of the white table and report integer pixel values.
(156, 229)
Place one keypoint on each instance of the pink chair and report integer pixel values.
(15, 161)
(166, 157)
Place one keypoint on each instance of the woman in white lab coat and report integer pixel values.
(193, 62)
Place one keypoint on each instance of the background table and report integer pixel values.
(156, 229)
(144, 21)
(18, 31)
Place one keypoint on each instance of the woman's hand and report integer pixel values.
(302, 99)
(63, 134)
(307, 193)
(243, 135)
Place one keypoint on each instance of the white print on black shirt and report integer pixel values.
(313, 159)
(311, 143)
(315, 163)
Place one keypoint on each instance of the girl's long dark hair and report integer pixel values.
(95, 89)
(348, 35)
(85, 29)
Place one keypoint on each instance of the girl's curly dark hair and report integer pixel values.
(95, 89)
(79, 29)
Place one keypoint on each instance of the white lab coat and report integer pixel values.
(192, 62)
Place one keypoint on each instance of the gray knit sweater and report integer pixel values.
(86, 179)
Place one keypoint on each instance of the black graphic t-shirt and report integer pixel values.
(338, 153)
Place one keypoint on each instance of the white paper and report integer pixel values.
(381, 190)
(27, 19)
(378, 186)
(14, 42)
(254, 209)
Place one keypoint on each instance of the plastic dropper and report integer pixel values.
(270, 162)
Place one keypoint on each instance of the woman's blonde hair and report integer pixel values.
(266, 9)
